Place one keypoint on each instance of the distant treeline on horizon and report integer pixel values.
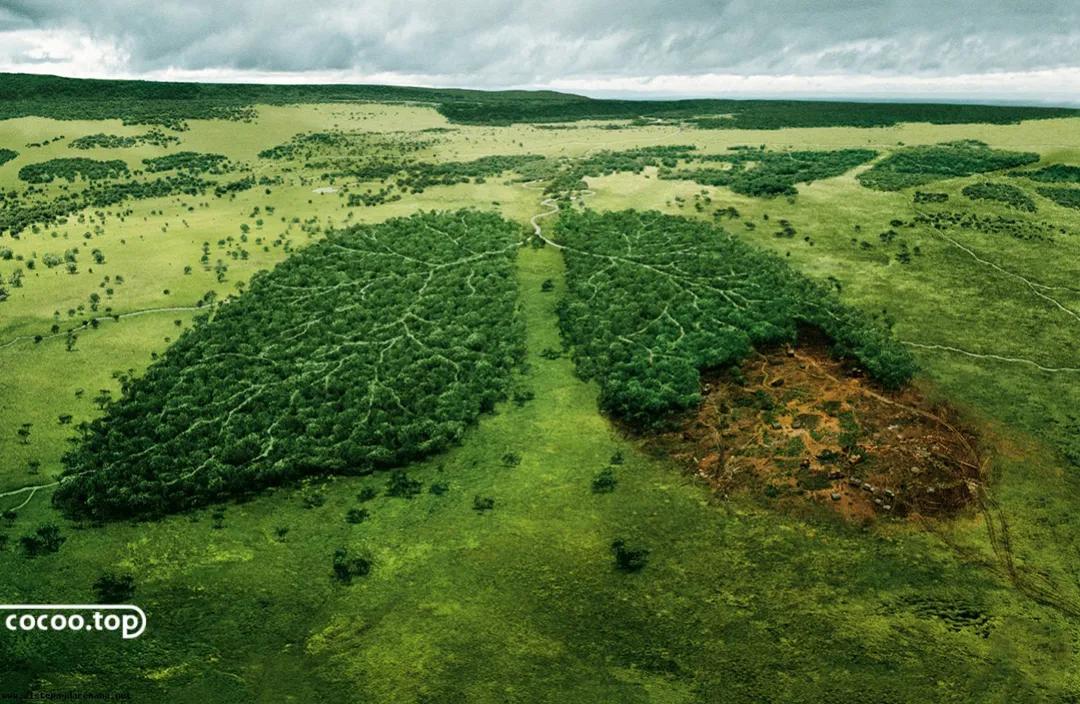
(170, 104)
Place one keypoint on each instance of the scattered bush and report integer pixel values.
(628, 559)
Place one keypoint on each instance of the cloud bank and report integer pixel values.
(958, 49)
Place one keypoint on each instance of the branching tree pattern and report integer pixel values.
(370, 349)
(652, 299)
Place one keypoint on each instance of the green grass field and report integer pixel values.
(741, 601)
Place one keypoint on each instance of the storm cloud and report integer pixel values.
(649, 47)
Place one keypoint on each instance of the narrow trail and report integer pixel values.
(31, 489)
(996, 357)
(1035, 287)
(104, 319)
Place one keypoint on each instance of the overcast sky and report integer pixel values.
(1000, 50)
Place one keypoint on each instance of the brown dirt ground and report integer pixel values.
(806, 427)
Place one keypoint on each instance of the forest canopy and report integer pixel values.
(919, 165)
(654, 299)
(370, 349)
(71, 169)
(766, 174)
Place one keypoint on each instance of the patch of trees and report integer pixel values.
(71, 169)
(1065, 197)
(653, 299)
(925, 197)
(1001, 193)
(370, 197)
(243, 184)
(194, 162)
(16, 217)
(419, 176)
(100, 140)
(7, 155)
(368, 350)
(1019, 228)
(736, 114)
(767, 174)
(1055, 173)
(566, 176)
(919, 165)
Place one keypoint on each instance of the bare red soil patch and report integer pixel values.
(798, 425)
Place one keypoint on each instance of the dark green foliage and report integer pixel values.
(569, 176)
(1055, 173)
(916, 166)
(924, 197)
(357, 515)
(43, 541)
(402, 486)
(115, 141)
(419, 176)
(439, 488)
(1002, 193)
(194, 162)
(768, 174)
(1065, 197)
(367, 494)
(604, 482)
(481, 504)
(17, 217)
(628, 559)
(370, 349)
(7, 155)
(735, 114)
(111, 588)
(243, 184)
(652, 299)
(346, 567)
(71, 169)
(370, 198)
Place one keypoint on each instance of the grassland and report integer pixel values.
(740, 601)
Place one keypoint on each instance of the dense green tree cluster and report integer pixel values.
(7, 155)
(1002, 193)
(419, 176)
(1066, 197)
(767, 174)
(930, 197)
(1020, 228)
(71, 169)
(1054, 173)
(567, 175)
(337, 145)
(919, 165)
(735, 114)
(370, 349)
(242, 184)
(194, 162)
(653, 299)
(100, 140)
(370, 197)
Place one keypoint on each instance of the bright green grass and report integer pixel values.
(738, 602)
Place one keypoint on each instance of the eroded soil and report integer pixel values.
(794, 424)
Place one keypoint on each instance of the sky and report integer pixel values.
(991, 50)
